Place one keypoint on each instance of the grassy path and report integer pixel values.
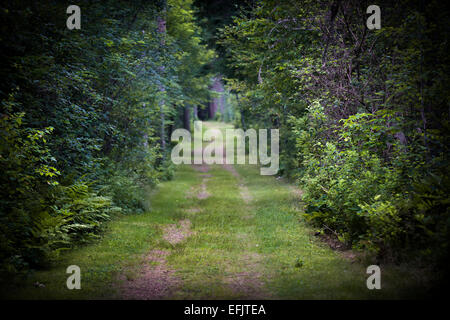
(213, 232)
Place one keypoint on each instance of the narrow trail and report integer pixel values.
(219, 248)
(214, 232)
(243, 280)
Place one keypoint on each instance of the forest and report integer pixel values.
(87, 116)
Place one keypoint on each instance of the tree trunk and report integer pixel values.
(195, 113)
(187, 118)
(162, 89)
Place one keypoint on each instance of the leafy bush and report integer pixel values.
(38, 216)
(363, 115)
(371, 200)
(105, 93)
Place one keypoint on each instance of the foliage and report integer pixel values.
(363, 114)
(82, 115)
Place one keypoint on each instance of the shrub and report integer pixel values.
(38, 216)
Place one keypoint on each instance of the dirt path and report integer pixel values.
(247, 283)
(158, 280)
(215, 232)
(155, 281)
(245, 194)
(226, 232)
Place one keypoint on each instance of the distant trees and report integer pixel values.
(83, 115)
(363, 114)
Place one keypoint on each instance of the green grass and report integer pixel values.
(266, 239)
(323, 273)
(120, 250)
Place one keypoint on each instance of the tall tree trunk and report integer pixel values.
(240, 111)
(195, 112)
(162, 89)
(187, 117)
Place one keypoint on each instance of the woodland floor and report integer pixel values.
(216, 232)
